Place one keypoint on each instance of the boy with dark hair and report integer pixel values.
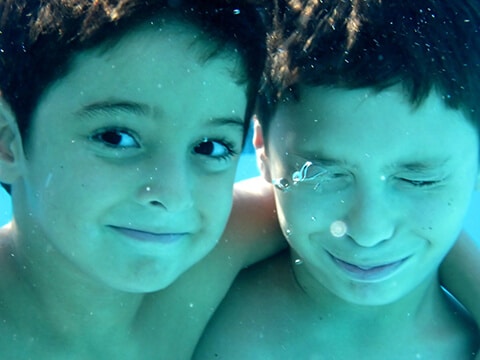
(121, 124)
(370, 134)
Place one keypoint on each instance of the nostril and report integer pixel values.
(155, 203)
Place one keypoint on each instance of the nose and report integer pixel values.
(370, 219)
(167, 185)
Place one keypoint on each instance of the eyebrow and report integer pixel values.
(113, 107)
(412, 166)
(139, 109)
(228, 121)
(319, 158)
(420, 166)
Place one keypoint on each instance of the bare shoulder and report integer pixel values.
(253, 230)
(247, 314)
(460, 332)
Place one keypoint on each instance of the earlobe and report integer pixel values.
(259, 144)
(11, 148)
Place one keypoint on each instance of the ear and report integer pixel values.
(11, 148)
(259, 144)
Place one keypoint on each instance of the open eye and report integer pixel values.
(214, 149)
(116, 138)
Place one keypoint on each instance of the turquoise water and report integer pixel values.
(5, 207)
(248, 168)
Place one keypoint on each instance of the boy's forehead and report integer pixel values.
(163, 38)
(166, 29)
(159, 67)
(376, 115)
(169, 31)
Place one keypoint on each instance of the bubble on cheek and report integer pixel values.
(298, 262)
(288, 232)
(338, 228)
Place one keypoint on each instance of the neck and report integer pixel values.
(419, 304)
(63, 300)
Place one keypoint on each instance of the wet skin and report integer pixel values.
(391, 202)
(131, 160)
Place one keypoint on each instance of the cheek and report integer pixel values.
(308, 206)
(300, 214)
(72, 192)
(438, 218)
(214, 196)
(442, 216)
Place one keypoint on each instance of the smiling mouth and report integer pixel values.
(145, 236)
(369, 273)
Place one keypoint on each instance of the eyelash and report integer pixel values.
(422, 183)
(98, 137)
(229, 148)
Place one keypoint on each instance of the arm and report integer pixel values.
(460, 274)
(253, 230)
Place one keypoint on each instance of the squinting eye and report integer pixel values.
(116, 138)
(421, 183)
(214, 149)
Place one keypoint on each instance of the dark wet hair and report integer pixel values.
(423, 46)
(38, 39)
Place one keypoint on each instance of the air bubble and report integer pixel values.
(338, 228)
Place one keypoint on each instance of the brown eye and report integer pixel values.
(205, 148)
(215, 149)
(116, 138)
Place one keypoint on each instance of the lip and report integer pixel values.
(369, 273)
(150, 237)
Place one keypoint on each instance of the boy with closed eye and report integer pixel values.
(368, 127)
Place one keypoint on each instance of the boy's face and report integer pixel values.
(393, 187)
(131, 159)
